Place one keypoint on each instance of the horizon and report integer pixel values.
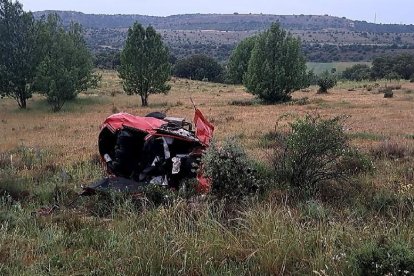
(379, 12)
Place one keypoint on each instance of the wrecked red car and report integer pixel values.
(154, 149)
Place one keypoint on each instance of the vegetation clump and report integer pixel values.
(384, 258)
(230, 171)
(315, 151)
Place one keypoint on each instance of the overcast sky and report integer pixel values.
(386, 11)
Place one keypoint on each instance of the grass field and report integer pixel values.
(45, 157)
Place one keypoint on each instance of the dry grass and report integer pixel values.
(73, 132)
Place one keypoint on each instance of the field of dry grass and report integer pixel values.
(45, 157)
(73, 132)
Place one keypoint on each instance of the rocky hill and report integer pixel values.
(325, 38)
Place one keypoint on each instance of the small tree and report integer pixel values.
(144, 63)
(18, 57)
(66, 68)
(326, 81)
(239, 60)
(199, 67)
(277, 66)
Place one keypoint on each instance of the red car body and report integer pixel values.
(155, 148)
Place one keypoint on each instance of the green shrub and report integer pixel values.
(230, 171)
(326, 81)
(384, 258)
(314, 152)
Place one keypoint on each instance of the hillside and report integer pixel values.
(325, 38)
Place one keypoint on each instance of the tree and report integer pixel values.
(66, 67)
(144, 63)
(357, 72)
(239, 60)
(381, 66)
(326, 81)
(18, 58)
(404, 65)
(199, 67)
(277, 66)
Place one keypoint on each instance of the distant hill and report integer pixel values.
(325, 38)
(227, 22)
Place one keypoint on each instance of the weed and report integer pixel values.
(384, 258)
(391, 150)
(409, 136)
(301, 101)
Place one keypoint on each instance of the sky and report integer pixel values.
(383, 11)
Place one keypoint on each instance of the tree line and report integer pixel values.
(385, 67)
(42, 56)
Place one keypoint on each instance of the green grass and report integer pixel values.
(409, 136)
(319, 67)
(270, 234)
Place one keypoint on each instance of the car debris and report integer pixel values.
(155, 149)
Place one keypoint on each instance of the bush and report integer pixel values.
(314, 152)
(326, 81)
(384, 258)
(230, 171)
(388, 93)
